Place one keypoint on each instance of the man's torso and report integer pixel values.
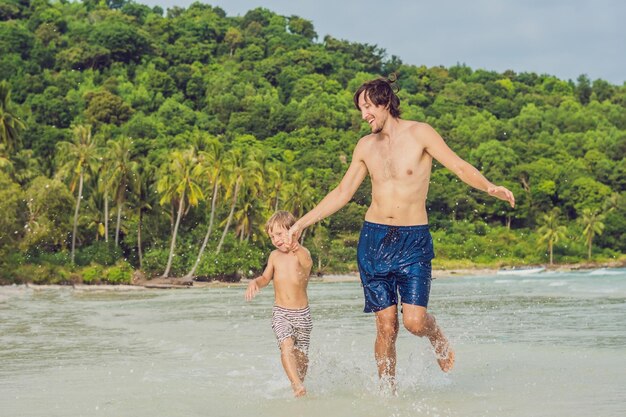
(399, 169)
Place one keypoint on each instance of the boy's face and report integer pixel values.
(278, 234)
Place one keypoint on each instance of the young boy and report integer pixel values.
(291, 319)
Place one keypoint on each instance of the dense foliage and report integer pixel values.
(133, 139)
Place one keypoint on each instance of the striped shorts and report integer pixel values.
(296, 324)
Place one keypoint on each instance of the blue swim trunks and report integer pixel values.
(395, 260)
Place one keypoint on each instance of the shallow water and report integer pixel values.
(550, 344)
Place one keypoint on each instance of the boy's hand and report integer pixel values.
(293, 235)
(253, 289)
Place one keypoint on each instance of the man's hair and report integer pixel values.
(381, 93)
(280, 218)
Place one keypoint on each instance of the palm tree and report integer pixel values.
(550, 230)
(212, 159)
(251, 205)
(301, 197)
(92, 211)
(611, 203)
(122, 170)
(103, 187)
(25, 166)
(266, 175)
(179, 182)
(277, 177)
(592, 224)
(78, 156)
(251, 213)
(10, 125)
(233, 175)
(5, 162)
(321, 242)
(141, 201)
(239, 167)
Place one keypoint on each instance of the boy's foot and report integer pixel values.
(298, 390)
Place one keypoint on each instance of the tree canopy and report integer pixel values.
(264, 108)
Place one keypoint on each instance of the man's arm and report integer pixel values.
(438, 149)
(336, 199)
(254, 287)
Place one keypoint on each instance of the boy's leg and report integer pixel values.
(385, 346)
(290, 364)
(419, 322)
(302, 362)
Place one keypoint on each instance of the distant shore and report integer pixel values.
(354, 276)
(140, 281)
(478, 271)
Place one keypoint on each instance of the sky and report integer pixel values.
(564, 38)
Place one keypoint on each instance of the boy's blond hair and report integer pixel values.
(280, 218)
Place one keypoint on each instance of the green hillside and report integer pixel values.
(129, 137)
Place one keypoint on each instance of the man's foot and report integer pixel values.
(388, 387)
(298, 390)
(444, 354)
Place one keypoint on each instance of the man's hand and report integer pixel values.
(502, 193)
(293, 236)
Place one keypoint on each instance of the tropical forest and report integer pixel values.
(136, 140)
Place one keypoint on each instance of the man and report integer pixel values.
(395, 247)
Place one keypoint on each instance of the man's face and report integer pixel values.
(375, 116)
(278, 234)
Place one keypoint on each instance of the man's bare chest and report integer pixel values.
(394, 164)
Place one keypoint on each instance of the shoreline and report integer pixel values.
(141, 282)
(482, 271)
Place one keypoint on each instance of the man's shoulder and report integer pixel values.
(364, 143)
(416, 126)
(367, 138)
(419, 131)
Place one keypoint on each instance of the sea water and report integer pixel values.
(547, 344)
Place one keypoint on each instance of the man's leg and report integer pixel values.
(385, 346)
(419, 322)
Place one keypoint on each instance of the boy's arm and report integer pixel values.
(438, 149)
(254, 287)
(304, 257)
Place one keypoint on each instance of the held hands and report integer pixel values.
(293, 236)
(253, 290)
(502, 193)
